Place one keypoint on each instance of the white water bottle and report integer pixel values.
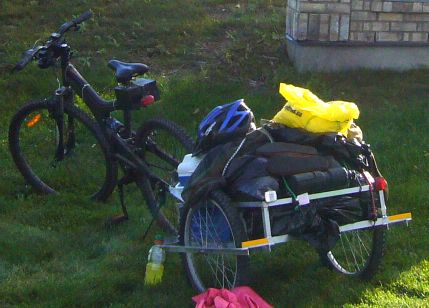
(187, 167)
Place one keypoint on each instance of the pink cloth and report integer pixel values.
(241, 297)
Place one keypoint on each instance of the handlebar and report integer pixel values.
(70, 24)
(31, 54)
(26, 58)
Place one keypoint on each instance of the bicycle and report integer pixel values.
(47, 137)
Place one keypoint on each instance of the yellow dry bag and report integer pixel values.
(305, 110)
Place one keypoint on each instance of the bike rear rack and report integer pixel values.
(268, 240)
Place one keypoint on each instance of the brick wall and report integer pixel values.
(358, 20)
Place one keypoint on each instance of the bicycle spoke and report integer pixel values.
(344, 250)
(215, 269)
(360, 249)
(363, 244)
(353, 252)
(221, 269)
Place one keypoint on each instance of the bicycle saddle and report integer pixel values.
(125, 71)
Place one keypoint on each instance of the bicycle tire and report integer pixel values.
(160, 157)
(86, 143)
(224, 229)
(358, 253)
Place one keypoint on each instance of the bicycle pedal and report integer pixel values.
(115, 220)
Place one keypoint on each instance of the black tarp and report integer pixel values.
(209, 174)
(247, 168)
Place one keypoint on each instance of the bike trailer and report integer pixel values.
(378, 185)
(279, 184)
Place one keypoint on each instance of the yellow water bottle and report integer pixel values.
(155, 264)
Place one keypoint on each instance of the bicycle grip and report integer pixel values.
(26, 58)
(83, 17)
(66, 26)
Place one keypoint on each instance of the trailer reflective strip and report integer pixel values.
(258, 242)
(400, 217)
(405, 218)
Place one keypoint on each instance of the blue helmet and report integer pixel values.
(224, 123)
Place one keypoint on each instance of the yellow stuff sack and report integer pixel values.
(305, 110)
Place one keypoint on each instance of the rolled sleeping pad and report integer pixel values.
(318, 181)
(281, 165)
(286, 149)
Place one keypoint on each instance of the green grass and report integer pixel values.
(56, 251)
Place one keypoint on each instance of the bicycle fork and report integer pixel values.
(61, 95)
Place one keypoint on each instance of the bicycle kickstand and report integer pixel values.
(117, 219)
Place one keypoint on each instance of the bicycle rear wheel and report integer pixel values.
(87, 166)
(213, 223)
(162, 144)
(357, 253)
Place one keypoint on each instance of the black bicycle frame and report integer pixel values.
(74, 83)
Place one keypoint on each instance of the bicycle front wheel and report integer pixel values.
(86, 166)
(162, 144)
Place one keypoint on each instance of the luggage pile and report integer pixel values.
(308, 147)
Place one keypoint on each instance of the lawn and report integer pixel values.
(56, 251)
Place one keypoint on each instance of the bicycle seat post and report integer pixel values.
(127, 123)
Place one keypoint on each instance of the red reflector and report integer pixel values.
(380, 184)
(147, 100)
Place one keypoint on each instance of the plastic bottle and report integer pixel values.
(155, 265)
(187, 167)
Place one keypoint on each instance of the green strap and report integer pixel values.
(289, 189)
(291, 193)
